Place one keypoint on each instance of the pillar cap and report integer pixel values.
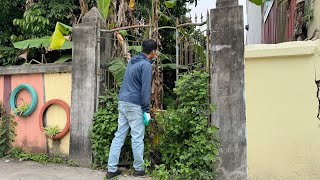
(226, 3)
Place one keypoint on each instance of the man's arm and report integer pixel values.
(146, 87)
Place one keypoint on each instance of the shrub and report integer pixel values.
(105, 123)
(7, 131)
(188, 145)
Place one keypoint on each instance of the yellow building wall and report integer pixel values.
(281, 102)
(58, 86)
(315, 22)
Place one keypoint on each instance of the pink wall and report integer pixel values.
(29, 136)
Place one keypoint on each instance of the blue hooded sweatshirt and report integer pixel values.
(136, 85)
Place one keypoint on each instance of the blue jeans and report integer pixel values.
(130, 115)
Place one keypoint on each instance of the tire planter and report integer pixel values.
(66, 107)
(34, 101)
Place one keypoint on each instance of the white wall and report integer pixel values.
(254, 20)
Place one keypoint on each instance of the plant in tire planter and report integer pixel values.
(34, 99)
(22, 108)
(66, 107)
(51, 131)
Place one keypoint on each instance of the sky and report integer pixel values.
(204, 5)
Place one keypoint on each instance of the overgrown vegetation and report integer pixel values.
(51, 131)
(22, 20)
(7, 131)
(188, 145)
(104, 126)
(19, 153)
(105, 123)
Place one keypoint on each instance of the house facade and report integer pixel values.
(282, 21)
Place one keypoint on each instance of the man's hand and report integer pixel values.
(146, 118)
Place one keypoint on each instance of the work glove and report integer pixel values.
(146, 118)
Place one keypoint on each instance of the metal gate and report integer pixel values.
(192, 49)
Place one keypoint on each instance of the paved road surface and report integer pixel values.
(28, 170)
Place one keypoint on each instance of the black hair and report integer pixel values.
(149, 45)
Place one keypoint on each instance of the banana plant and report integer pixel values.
(33, 43)
(117, 67)
(170, 4)
(40, 43)
(55, 42)
(57, 39)
(103, 6)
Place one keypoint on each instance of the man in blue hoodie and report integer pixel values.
(134, 100)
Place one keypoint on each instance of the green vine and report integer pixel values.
(188, 146)
(105, 123)
(7, 130)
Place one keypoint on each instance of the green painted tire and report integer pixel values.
(34, 101)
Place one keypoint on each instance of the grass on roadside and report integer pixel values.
(21, 155)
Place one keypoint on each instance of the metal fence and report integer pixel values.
(192, 48)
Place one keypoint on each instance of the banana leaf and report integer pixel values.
(66, 45)
(103, 6)
(64, 58)
(57, 39)
(258, 2)
(131, 4)
(170, 4)
(117, 67)
(135, 48)
(173, 66)
(33, 43)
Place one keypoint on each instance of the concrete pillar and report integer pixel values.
(227, 88)
(85, 85)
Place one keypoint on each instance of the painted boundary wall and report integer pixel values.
(50, 81)
(86, 76)
(282, 106)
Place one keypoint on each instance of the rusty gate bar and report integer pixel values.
(177, 51)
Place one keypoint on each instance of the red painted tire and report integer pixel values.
(66, 107)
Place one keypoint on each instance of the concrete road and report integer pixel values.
(27, 170)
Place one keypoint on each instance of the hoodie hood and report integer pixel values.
(140, 57)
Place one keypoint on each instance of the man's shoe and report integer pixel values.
(139, 173)
(113, 174)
